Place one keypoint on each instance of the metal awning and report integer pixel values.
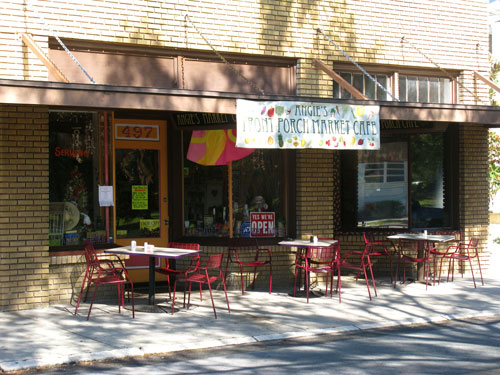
(108, 97)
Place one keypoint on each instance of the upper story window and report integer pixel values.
(409, 85)
(425, 89)
(364, 84)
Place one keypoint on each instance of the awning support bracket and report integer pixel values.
(30, 42)
(341, 81)
(490, 83)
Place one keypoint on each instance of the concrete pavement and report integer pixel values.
(53, 336)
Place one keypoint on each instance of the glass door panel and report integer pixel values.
(137, 193)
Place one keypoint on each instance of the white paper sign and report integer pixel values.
(297, 125)
(106, 196)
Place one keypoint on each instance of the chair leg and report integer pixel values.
(480, 272)
(168, 282)
(307, 285)
(212, 298)
(133, 304)
(84, 281)
(173, 299)
(371, 272)
(472, 272)
(295, 281)
(225, 292)
(270, 277)
(241, 277)
(366, 279)
(92, 301)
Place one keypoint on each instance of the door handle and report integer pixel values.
(166, 222)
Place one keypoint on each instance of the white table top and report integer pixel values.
(308, 243)
(422, 237)
(162, 252)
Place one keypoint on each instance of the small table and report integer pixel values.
(307, 243)
(158, 252)
(422, 245)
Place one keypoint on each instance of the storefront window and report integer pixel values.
(402, 185)
(74, 215)
(257, 185)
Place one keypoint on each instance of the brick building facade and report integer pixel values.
(150, 59)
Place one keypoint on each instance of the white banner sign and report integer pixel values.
(288, 124)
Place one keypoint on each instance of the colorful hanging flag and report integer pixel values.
(215, 147)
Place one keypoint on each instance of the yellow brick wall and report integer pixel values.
(369, 31)
(452, 34)
(24, 206)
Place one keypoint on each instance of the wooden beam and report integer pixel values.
(492, 84)
(341, 81)
(30, 42)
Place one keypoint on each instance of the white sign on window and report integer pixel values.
(290, 124)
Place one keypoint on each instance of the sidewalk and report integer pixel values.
(53, 336)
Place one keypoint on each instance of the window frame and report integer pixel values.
(349, 173)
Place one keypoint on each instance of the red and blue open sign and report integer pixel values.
(262, 224)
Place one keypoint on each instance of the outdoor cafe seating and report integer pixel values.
(169, 269)
(100, 270)
(358, 261)
(465, 252)
(249, 255)
(316, 260)
(209, 273)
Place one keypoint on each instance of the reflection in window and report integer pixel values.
(382, 186)
(74, 169)
(402, 184)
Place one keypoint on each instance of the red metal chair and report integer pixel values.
(462, 252)
(205, 275)
(439, 253)
(420, 254)
(378, 248)
(103, 272)
(316, 260)
(235, 250)
(111, 261)
(168, 270)
(359, 261)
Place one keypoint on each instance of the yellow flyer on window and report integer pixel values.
(139, 197)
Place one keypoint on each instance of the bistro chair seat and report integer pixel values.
(438, 253)
(378, 248)
(413, 252)
(101, 271)
(208, 274)
(358, 261)
(462, 252)
(170, 268)
(316, 260)
(250, 256)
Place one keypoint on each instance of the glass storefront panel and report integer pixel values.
(383, 186)
(427, 188)
(257, 186)
(137, 193)
(74, 176)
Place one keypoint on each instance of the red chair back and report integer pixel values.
(214, 261)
